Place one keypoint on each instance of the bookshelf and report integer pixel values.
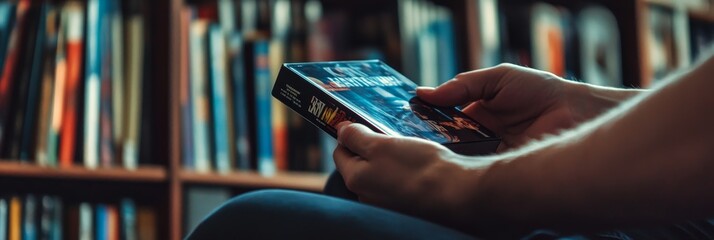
(162, 181)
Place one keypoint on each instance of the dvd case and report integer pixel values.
(372, 93)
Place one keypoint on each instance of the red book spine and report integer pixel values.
(74, 57)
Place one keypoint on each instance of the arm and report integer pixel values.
(650, 160)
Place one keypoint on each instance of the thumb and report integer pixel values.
(467, 87)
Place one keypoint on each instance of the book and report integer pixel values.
(59, 75)
(7, 20)
(199, 94)
(86, 222)
(146, 223)
(92, 84)
(134, 64)
(3, 218)
(30, 120)
(600, 54)
(117, 77)
(265, 163)
(372, 93)
(48, 73)
(128, 219)
(12, 63)
(240, 102)
(25, 83)
(187, 145)
(29, 218)
(547, 38)
(220, 113)
(15, 217)
(102, 224)
(74, 57)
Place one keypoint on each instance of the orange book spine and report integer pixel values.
(74, 52)
(15, 218)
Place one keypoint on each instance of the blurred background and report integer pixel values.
(134, 119)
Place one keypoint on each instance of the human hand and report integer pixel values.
(517, 103)
(406, 174)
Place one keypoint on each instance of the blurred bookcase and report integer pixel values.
(187, 121)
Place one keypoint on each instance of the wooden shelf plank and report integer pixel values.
(142, 174)
(291, 180)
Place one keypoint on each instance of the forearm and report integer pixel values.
(589, 101)
(650, 159)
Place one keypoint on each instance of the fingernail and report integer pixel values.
(424, 88)
(341, 126)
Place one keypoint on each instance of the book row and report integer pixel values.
(47, 217)
(587, 42)
(72, 76)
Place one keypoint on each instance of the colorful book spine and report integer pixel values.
(74, 58)
(58, 91)
(29, 120)
(7, 20)
(128, 218)
(102, 225)
(264, 134)
(11, 64)
(29, 222)
(106, 119)
(92, 82)
(117, 73)
(112, 223)
(199, 94)
(86, 222)
(3, 218)
(15, 224)
(45, 107)
(219, 103)
(240, 102)
(134, 65)
(187, 146)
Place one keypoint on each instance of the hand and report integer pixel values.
(518, 103)
(409, 175)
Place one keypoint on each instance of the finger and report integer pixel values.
(466, 87)
(358, 138)
(349, 165)
(485, 117)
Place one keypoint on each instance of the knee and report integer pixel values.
(231, 218)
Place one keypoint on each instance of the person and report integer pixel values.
(575, 158)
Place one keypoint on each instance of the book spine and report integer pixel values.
(57, 220)
(48, 68)
(102, 230)
(240, 102)
(313, 104)
(187, 138)
(29, 125)
(264, 134)
(7, 20)
(85, 221)
(7, 77)
(219, 104)
(134, 64)
(128, 218)
(199, 95)
(106, 126)
(29, 223)
(112, 223)
(58, 91)
(14, 227)
(74, 58)
(92, 94)
(3, 218)
(117, 73)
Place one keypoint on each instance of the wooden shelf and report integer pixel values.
(291, 180)
(142, 174)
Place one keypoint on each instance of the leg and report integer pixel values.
(281, 214)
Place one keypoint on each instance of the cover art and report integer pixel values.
(377, 91)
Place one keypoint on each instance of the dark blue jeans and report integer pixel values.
(283, 214)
